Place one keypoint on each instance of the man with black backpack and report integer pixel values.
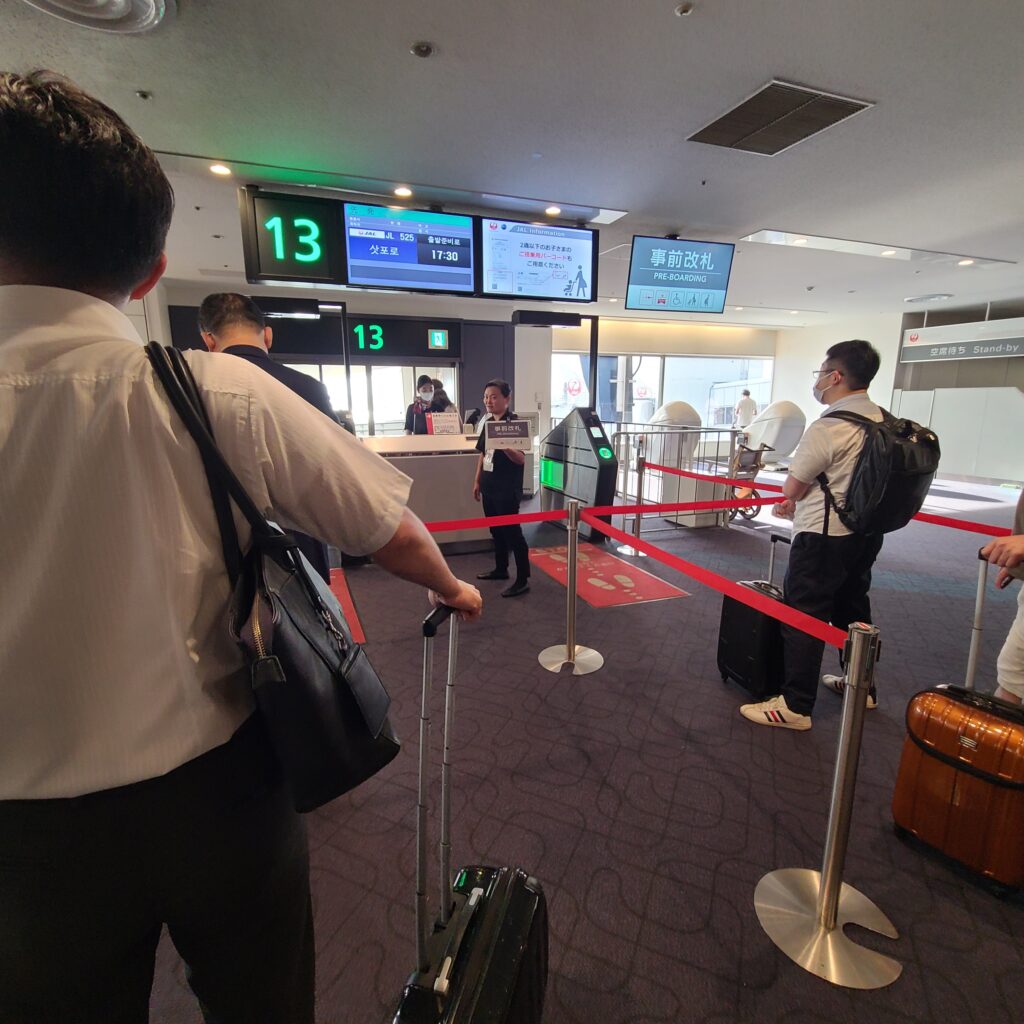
(830, 564)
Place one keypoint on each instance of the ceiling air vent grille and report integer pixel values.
(778, 116)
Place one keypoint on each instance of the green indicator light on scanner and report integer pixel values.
(605, 453)
(461, 879)
(552, 474)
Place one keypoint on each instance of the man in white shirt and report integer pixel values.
(137, 787)
(745, 411)
(829, 571)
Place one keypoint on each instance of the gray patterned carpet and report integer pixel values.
(649, 809)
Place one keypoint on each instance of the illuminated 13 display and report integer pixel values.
(290, 238)
(382, 338)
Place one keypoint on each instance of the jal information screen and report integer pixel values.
(671, 275)
(536, 261)
(413, 249)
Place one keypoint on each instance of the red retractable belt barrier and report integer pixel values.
(683, 506)
(485, 522)
(728, 481)
(790, 616)
(964, 524)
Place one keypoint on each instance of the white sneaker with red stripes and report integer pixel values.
(838, 683)
(775, 711)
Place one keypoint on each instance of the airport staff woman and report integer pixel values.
(416, 414)
(499, 482)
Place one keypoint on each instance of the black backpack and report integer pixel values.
(894, 470)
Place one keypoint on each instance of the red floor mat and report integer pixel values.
(340, 590)
(603, 580)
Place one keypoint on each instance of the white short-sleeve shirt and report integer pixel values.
(115, 660)
(829, 446)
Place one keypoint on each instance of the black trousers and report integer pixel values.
(212, 849)
(507, 538)
(829, 578)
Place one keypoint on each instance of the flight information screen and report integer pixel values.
(413, 249)
(672, 275)
(537, 261)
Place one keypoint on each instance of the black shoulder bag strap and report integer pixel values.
(830, 501)
(176, 377)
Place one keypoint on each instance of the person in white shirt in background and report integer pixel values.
(745, 411)
(137, 787)
(829, 572)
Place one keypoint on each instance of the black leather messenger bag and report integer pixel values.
(324, 706)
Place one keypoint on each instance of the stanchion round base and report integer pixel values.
(625, 549)
(554, 659)
(786, 902)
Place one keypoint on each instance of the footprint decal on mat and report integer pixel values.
(601, 584)
(626, 582)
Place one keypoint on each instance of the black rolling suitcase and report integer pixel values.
(749, 642)
(485, 959)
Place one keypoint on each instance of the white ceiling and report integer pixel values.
(589, 102)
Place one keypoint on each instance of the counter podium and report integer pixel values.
(442, 468)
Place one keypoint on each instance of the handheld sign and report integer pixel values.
(508, 434)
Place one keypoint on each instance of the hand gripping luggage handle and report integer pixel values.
(430, 625)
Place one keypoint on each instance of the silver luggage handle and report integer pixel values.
(774, 539)
(430, 627)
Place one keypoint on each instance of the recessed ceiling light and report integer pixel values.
(964, 263)
(553, 211)
(739, 309)
(612, 299)
(403, 191)
(220, 169)
(931, 297)
(888, 252)
(799, 241)
(793, 312)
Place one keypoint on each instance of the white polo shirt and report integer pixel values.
(115, 660)
(832, 447)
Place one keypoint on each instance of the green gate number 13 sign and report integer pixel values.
(306, 247)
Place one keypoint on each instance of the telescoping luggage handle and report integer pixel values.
(438, 974)
(775, 538)
(976, 625)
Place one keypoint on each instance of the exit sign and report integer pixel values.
(437, 339)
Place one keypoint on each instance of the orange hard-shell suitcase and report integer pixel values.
(960, 787)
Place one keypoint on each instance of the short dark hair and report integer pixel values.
(746, 392)
(857, 360)
(229, 309)
(502, 385)
(84, 204)
(423, 378)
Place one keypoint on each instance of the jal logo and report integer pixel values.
(914, 337)
(574, 387)
(493, 226)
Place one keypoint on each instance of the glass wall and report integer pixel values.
(380, 394)
(631, 388)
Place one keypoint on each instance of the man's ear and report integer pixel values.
(209, 340)
(268, 337)
(150, 282)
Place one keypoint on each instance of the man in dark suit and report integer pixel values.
(234, 324)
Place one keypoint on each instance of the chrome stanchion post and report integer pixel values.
(582, 660)
(979, 611)
(804, 911)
